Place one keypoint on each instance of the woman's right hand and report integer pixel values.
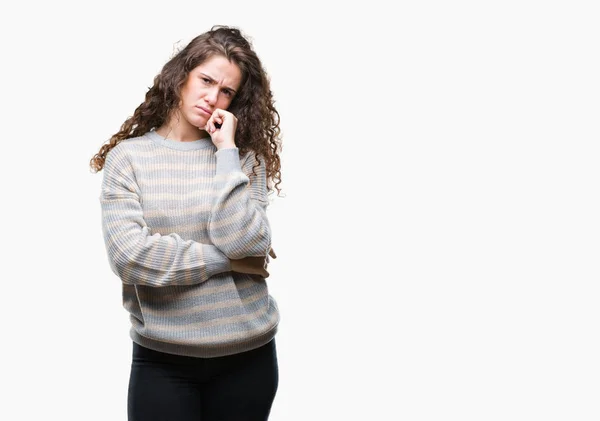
(253, 265)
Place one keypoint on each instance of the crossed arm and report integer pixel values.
(241, 240)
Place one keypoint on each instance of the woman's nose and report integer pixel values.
(212, 95)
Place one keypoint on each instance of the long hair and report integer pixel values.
(253, 105)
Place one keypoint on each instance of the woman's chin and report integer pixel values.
(199, 122)
(196, 121)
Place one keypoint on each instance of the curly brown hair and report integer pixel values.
(253, 105)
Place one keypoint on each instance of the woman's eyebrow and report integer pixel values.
(213, 79)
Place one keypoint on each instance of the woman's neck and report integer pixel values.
(181, 131)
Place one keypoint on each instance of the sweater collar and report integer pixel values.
(193, 145)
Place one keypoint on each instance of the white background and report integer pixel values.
(438, 240)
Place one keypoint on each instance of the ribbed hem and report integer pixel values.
(203, 351)
(228, 160)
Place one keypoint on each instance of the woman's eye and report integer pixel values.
(228, 93)
(205, 80)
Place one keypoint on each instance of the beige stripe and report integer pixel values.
(223, 282)
(182, 211)
(133, 272)
(161, 254)
(251, 244)
(204, 200)
(241, 215)
(119, 224)
(207, 306)
(223, 337)
(195, 224)
(172, 153)
(161, 196)
(115, 240)
(177, 166)
(246, 317)
(196, 231)
(172, 182)
(191, 213)
(240, 233)
(233, 177)
(116, 244)
(232, 201)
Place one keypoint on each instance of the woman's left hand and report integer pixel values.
(224, 136)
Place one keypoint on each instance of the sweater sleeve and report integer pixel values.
(238, 224)
(136, 255)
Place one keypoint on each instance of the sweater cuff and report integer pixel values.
(228, 160)
(214, 260)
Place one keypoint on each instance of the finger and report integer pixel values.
(272, 253)
(217, 120)
(208, 126)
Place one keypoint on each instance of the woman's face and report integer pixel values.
(209, 86)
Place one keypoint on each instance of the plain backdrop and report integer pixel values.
(438, 236)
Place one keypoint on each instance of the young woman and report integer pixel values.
(184, 197)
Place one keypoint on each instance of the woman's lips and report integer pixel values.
(204, 111)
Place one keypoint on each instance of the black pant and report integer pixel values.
(167, 387)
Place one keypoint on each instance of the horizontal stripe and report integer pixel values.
(218, 288)
(237, 322)
(203, 312)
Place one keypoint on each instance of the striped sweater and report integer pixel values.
(173, 214)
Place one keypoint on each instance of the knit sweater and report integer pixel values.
(173, 214)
